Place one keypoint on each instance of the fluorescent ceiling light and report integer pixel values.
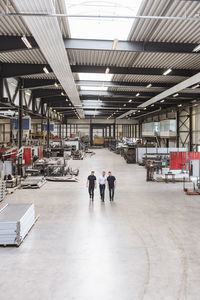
(162, 101)
(130, 100)
(196, 49)
(114, 45)
(56, 85)
(175, 95)
(179, 105)
(104, 29)
(138, 94)
(107, 71)
(93, 88)
(167, 72)
(46, 70)
(14, 84)
(149, 85)
(26, 42)
(95, 76)
(66, 100)
(152, 105)
(195, 86)
(124, 104)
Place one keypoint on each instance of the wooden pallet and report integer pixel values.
(17, 245)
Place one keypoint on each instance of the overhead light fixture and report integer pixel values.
(114, 45)
(162, 101)
(149, 85)
(107, 70)
(179, 105)
(62, 94)
(175, 95)
(56, 85)
(138, 94)
(167, 72)
(145, 108)
(195, 86)
(152, 104)
(138, 110)
(124, 104)
(26, 42)
(130, 100)
(66, 100)
(196, 49)
(46, 70)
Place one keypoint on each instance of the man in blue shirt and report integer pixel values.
(91, 185)
(111, 185)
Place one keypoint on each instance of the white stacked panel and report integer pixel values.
(15, 222)
(2, 190)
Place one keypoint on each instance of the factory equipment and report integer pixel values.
(130, 154)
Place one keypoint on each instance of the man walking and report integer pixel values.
(111, 185)
(91, 185)
(102, 185)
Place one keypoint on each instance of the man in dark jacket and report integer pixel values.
(111, 180)
(91, 185)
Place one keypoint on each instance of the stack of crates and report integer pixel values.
(2, 190)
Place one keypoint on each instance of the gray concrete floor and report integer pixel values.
(145, 245)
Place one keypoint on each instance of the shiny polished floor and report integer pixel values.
(144, 245)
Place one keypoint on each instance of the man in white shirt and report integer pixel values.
(102, 185)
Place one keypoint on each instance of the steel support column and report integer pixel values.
(177, 129)
(48, 130)
(20, 112)
(1, 88)
(190, 130)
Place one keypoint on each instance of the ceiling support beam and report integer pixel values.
(175, 89)
(15, 43)
(131, 70)
(18, 70)
(129, 46)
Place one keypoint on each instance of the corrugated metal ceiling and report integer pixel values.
(167, 30)
(133, 59)
(148, 78)
(33, 56)
(16, 26)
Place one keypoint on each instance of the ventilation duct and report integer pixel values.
(48, 36)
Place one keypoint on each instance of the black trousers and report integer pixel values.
(102, 191)
(111, 192)
(91, 191)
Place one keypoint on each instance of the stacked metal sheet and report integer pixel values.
(15, 222)
(2, 190)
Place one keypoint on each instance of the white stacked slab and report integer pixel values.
(2, 190)
(15, 222)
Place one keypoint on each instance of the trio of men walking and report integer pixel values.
(110, 181)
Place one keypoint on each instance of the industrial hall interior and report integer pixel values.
(100, 149)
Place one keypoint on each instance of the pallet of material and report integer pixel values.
(16, 220)
(2, 190)
(62, 179)
(33, 182)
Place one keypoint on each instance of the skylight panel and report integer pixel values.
(95, 76)
(101, 28)
(93, 88)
